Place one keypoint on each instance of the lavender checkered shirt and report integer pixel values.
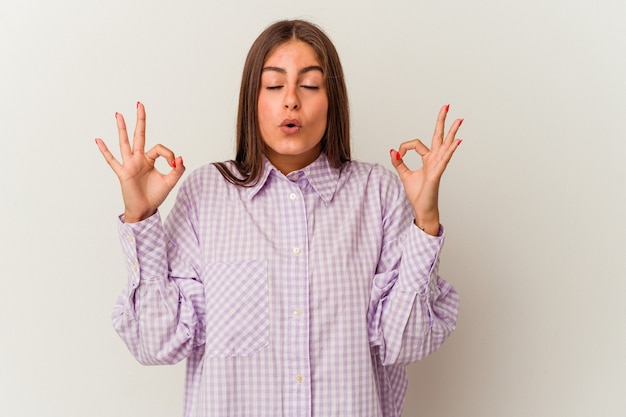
(304, 295)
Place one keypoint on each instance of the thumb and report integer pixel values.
(178, 169)
(398, 163)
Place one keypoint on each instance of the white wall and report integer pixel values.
(534, 200)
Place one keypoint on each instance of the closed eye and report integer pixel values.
(274, 87)
(311, 87)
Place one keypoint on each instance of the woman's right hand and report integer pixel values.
(144, 188)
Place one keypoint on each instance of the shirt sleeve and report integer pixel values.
(412, 309)
(159, 315)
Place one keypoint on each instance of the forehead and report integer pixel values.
(292, 53)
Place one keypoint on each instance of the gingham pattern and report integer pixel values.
(304, 295)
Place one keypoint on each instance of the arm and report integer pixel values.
(156, 316)
(159, 316)
(413, 310)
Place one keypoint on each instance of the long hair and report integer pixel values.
(250, 146)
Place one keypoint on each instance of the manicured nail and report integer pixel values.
(390, 152)
(460, 141)
(137, 104)
(447, 107)
(181, 161)
(174, 163)
(461, 122)
(398, 156)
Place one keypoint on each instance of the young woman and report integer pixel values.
(295, 281)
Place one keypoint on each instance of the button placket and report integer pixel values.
(297, 355)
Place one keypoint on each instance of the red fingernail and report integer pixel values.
(174, 163)
(116, 115)
(461, 122)
(137, 104)
(398, 156)
(390, 152)
(447, 107)
(181, 161)
(460, 140)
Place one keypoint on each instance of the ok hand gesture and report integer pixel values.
(422, 185)
(144, 188)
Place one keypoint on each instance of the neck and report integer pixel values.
(290, 163)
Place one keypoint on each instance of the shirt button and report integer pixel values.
(131, 238)
(134, 265)
(296, 312)
(296, 251)
(292, 196)
(299, 379)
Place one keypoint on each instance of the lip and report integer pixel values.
(290, 126)
(291, 123)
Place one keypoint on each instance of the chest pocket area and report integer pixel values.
(237, 311)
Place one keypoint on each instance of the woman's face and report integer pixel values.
(292, 106)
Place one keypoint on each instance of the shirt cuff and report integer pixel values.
(144, 248)
(420, 260)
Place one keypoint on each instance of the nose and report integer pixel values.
(291, 101)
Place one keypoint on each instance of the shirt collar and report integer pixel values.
(320, 174)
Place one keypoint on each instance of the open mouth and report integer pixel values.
(290, 126)
(291, 123)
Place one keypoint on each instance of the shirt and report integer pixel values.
(303, 295)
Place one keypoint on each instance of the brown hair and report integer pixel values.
(250, 146)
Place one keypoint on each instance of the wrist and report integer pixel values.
(135, 218)
(429, 223)
(430, 227)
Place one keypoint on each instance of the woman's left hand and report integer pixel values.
(422, 185)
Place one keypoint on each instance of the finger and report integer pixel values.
(450, 150)
(161, 151)
(453, 130)
(446, 155)
(416, 145)
(108, 156)
(139, 137)
(440, 126)
(123, 136)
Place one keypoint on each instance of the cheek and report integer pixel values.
(322, 112)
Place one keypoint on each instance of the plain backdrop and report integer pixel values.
(533, 202)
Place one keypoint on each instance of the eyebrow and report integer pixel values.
(302, 71)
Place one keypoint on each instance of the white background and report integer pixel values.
(533, 202)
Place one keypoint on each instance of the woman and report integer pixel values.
(293, 280)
